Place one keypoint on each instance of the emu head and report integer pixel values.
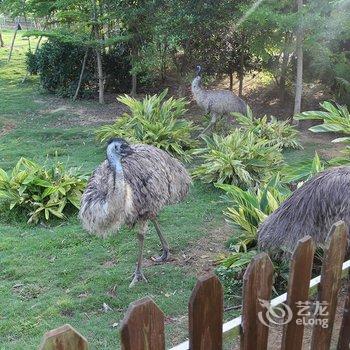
(198, 71)
(118, 147)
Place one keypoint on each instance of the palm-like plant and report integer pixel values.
(247, 209)
(280, 133)
(154, 121)
(241, 158)
(41, 192)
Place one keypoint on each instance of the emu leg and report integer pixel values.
(214, 118)
(138, 274)
(165, 246)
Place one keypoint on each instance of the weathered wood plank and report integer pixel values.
(206, 314)
(257, 284)
(334, 254)
(63, 338)
(344, 335)
(143, 327)
(298, 292)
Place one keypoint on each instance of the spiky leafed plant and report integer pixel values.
(303, 171)
(277, 132)
(241, 158)
(247, 209)
(41, 191)
(154, 121)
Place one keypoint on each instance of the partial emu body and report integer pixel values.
(132, 186)
(311, 210)
(217, 103)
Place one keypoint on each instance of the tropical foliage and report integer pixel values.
(248, 208)
(280, 133)
(303, 171)
(41, 192)
(154, 121)
(241, 158)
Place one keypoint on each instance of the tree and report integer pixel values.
(299, 55)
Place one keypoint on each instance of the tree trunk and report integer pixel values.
(2, 44)
(240, 89)
(81, 75)
(13, 42)
(299, 54)
(101, 84)
(284, 66)
(231, 81)
(133, 91)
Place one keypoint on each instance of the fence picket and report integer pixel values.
(330, 283)
(63, 338)
(143, 327)
(344, 335)
(298, 292)
(257, 284)
(206, 314)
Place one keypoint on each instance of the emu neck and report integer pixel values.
(115, 162)
(196, 88)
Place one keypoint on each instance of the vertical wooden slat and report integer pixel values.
(330, 283)
(63, 338)
(143, 327)
(206, 314)
(344, 335)
(298, 292)
(257, 284)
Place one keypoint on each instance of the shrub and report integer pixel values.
(241, 158)
(247, 209)
(279, 133)
(59, 62)
(154, 121)
(303, 171)
(335, 118)
(41, 192)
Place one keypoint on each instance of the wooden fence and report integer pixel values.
(143, 324)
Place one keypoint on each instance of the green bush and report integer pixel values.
(241, 158)
(247, 209)
(58, 64)
(277, 132)
(40, 192)
(156, 122)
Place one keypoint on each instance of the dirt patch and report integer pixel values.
(7, 127)
(200, 256)
(82, 113)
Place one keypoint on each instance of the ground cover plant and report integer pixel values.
(41, 192)
(278, 132)
(240, 158)
(154, 121)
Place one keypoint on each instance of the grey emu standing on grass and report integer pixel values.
(217, 103)
(311, 210)
(132, 186)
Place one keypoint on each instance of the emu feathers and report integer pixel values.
(310, 210)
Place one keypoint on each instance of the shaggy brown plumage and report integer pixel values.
(150, 179)
(217, 103)
(310, 210)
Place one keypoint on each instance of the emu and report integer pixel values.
(215, 102)
(131, 186)
(311, 210)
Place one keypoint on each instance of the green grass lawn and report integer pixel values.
(50, 276)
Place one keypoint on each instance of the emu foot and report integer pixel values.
(164, 257)
(138, 277)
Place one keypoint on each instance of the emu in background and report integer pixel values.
(216, 103)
